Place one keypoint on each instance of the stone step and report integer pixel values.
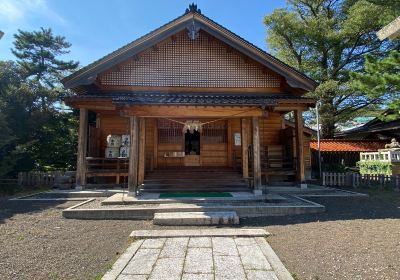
(194, 184)
(196, 218)
(195, 181)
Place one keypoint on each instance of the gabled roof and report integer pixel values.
(372, 127)
(339, 145)
(391, 31)
(87, 75)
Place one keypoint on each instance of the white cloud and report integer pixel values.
(15, 11)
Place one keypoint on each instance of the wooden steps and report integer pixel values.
(194, 179)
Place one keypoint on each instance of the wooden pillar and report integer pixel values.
(229, 142)
(245, 148)
(133, 155)
(299, 147)
(98, 136)
(155, 143)
(82, 147)
(256, 154)
(142, 149)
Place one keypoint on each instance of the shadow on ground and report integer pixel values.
(380, 204)
(9, 208)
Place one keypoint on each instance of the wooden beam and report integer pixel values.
(92, 104)
(191, 111)
(82, 149)
(133, 155)
(142, 149)
(288, 107)
(299, 146)
(256, 154)
(245, 148)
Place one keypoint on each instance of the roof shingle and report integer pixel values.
(334, 145)
(221, 99)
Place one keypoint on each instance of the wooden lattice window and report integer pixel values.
(169, 132)
(214, 133)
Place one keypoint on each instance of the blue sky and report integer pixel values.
(97, 27)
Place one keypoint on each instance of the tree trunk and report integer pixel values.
(328, 119)
(327, 127)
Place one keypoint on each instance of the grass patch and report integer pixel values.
(194, 194)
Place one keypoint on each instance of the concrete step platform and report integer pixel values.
(93, 209)
(153, 198)
(196, 218)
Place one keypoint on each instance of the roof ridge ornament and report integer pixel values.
(193, 8)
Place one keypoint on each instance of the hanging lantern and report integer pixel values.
(192, 126)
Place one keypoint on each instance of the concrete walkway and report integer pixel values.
(200, 257)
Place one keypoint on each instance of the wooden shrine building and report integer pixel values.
(194, 97)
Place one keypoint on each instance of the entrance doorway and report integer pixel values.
(192, 148)
(192, 143)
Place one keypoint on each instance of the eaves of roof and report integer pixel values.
(225, 99)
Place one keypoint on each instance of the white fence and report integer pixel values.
(351, 179)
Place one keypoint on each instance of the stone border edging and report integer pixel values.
(80, 204)
(218, 232)
(28, 195)
(281, 272)
(122, 261)
(356, 193)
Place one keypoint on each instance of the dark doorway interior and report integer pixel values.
(192, 143)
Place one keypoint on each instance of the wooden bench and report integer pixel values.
(107, 167)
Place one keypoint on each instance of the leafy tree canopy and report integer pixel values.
(39, 52)
(381, 78)
(328, 39)
(36, 134)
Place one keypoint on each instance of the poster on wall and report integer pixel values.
(238, 139)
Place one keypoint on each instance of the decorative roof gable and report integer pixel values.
(194, 24)
(182, 61)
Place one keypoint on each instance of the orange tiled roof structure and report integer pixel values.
(340, 145)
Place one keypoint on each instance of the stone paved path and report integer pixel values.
(192, 258)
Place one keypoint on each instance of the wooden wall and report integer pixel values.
(211, 154)
(270, 129)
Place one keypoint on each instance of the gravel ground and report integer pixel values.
(37, 243)
(357, 238)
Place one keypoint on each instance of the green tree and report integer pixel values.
(40, 136)
(6, 141)
(38, 54)
(381, 78)
(327, 39)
